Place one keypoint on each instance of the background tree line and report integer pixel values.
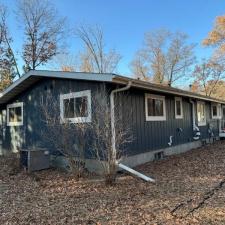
(165, 58)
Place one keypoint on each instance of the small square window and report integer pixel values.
(15, 114)
(216, 111)
(155, 107)
(178, 108)
(76, 107)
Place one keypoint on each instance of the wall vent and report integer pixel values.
(159, 155)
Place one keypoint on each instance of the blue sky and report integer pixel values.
(125, 21)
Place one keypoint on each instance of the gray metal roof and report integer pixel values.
(34, 75)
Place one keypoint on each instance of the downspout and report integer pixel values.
(193, 114)
(195, 128)
(113, 131)
(220, 119)
(112, 112)
(220, 125)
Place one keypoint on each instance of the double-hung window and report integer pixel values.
(155, 107)
(178, 108)
(15, 114)
(76, 107)
(201, 115)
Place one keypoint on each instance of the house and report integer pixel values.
(165, 120)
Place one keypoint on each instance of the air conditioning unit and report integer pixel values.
(34, 159)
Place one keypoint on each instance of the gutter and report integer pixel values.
(113, 138)
(153, 87)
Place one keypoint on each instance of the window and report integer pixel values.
(178, 108)
(201, 113)
(216, 111)
(155, 107)
(15, 114)
(76, 107)
(223, 111)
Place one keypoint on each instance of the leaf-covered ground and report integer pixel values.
(190, 189)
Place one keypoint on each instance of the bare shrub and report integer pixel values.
(74, 140)
(101, 146)
(67, 138)
(13, 163)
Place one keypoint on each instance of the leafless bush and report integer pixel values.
(74, 140)
(66, 138)
(101, 146)
(13, 163)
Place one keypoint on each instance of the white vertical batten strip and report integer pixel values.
(113, 138)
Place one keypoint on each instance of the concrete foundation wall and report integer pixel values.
(90, 164)
(138, 159)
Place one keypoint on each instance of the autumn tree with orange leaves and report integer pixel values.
(209, 79)
(210, 74)
(216, 37)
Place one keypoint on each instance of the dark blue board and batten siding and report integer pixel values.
(31, 134)
(148, 135)
(154, 135)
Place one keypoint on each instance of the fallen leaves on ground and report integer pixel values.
(189, 189)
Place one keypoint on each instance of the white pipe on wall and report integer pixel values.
(195, 128)
(193, 114)
(220, 126)
(112, 111)
(171, 141)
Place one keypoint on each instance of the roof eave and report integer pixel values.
(34, 75)
(147, 86)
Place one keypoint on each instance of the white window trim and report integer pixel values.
(218, 109)
(181, 105)
(203, 123)
(155, 118)
(86, 93)
(14, 105)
